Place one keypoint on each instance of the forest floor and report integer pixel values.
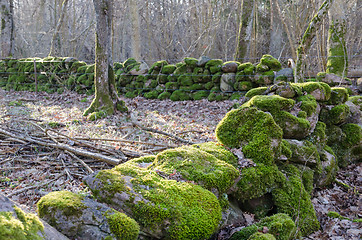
(29, 171)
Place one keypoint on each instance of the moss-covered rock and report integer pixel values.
(252, 130)
(255, 91)
(191, 62)
(76, 216)
(164, 95)
(164, 208)
(219, 151)
(270, 62)
(337, 115)
(168, 69)
(200, 95)
(180, 95)
(320, 91)
(357, 100)
(185, 80)
(280, 225)
(339, 95)
(292, 198)
(151, 95)
(230, 66)
(214, 63)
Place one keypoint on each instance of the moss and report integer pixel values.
(200, 95)
(180, 209)
(333, 214)
(214, 63)
(168, 69)
(90, 69)
(337, 115)
(151, 95)
(337, 61)
(164, 95)
(256, 181)
(280, 225)
(253, 130)
(215, 69)
(243, 86)
(292, 198)
(357, 100)
(157, 66)
(96, 115)
(131, 94)
(209, 85)
(191, 62)
(24, 226)
(235, 96)
(262, 236)
(272, 104)
(185, 80)
(122, 226)
(199, 166)
(308, 104)
(339, 95)
(321, 91)
(216, 78)
(266, 78)
(255, 91)
(271, 62)
(69, 203)
(318, 137)
(353, 134)
(219, 151)
(180, 95)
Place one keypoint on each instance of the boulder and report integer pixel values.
(83, 218)
(202, 61)
(164, 208)
(230, 67)
(227, 82)
(329, 168)
(17, 224)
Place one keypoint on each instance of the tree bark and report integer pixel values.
(106, 99)
(55, 37)
(7, 28)
(136, 31)
(337, 62)
(307, 38)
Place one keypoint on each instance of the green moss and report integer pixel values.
(185, 80)
(97, 115)
(292, 198)
(219, 151)
(318, 137)
(168, 69)
(262, 236)
(191, 62)
(216, 77)
(215, 69)
(69, 203)
(256, 181)
(200, 95)
(333, 214)
(151, 95)
(255, 91)
(199, 166)
(164, 95)
(235, 96)
(272, 104)
(356, 100)
(157, 66)
(214, 63)
(337, 115)
(253, 130)
(321, 91)
(280, 225)
(131, 94)
(353, 134)
(308, 104)
(180, 95)
(180, 209)
(122, 226)
(24, 226)
(271, 62)
(243, 86)
(339, 95)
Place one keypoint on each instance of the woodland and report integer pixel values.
(180, 119)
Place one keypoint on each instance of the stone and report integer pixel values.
(230, 67)
(359, 85)
(83, 218)
(227, 82)
(141, 70)
(333, 80)
(202, 61)
(22, 225)
(328, 170)
(304, 152)
(285, 74)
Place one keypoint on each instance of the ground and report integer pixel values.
(29, 172)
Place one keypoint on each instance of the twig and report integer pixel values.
(35, 186)
(81, 162)
(163, 133)
(109, 160)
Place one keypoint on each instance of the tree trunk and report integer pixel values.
(106, 98)
(337, 62)
(307, 38)
(7, 28)
(136, 32)
(246, 18)
(53, 50)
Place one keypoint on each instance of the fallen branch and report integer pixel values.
(32, 187)
(163, 133)
(81, 152)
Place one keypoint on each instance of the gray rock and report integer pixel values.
(355, 115)
(359, 85)
(333, 80)
(229, 67)
(141, 70)
(286, 72)
(227, 82)
(202, 61)
(328, 170)
(49, 233)
(304, 152)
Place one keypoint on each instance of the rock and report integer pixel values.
(227, 82)
(359, 85)
(355, 115)
(163, 207)
(335, 115)
(328, 170)
(141, 70)
(304, 152)
(233, 215)
(339, 95)
(286, 74)
(202, 61)
(230, 67)
(83, 218)
(320, 91)
(16, 223)
(260, 206)
(333, 79)
(285, 90)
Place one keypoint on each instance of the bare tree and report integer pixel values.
(7, 28)
(106, 99)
